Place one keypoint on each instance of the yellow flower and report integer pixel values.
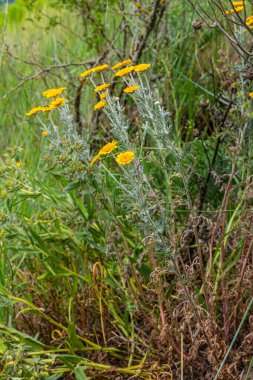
(249, 20)
(124, 71)
(53, 92)
(238, 3)
(99, 68)
(95, 159)
(108, 148)
(125, 158)
(44, 133)
(58, 102)
(93, 70)
(130, 89)
(120, 64)
(86, 73)
(251, 94)
(100, 105)
(138, 5)
(103, 95)
(33, 111)
(46, 108)
(102, 87)
(237, 9)
(142, 67)
(19, 164)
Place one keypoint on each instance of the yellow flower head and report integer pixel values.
(142, 67)
(53, 92)
(249, 20)
(102, 87)
(120, 64)
(251, 94)
(99, 68)
(100, 105)
(124, 71)
(33, 111)
(237, 9)
(86, 73)
(130, 89)
(46, 108)
(103, 95)
(138, 5)
(108, 148)
(238, 3)
(58, 102)
(95, 159)
(19, 164)
(44, 133)
(125, 158)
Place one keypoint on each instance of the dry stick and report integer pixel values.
(79, 88)
(150, 26)
(234, 41)
(32, 63)
(44, 70)
(77, 103)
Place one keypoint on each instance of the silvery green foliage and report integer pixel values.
(142, 202)
(118, 122)
(69, 151)
(155, 117)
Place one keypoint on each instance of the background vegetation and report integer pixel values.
(142, 271)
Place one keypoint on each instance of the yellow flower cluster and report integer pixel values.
(59, 102)
(136, 68)
(122, 158)
(55, 103)
(124, 71)
(238, 7)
